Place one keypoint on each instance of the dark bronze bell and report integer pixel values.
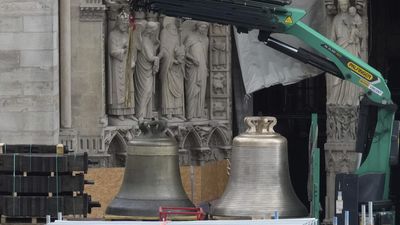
(259, 182)
(152, 178)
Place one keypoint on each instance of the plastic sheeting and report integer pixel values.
(263, 66)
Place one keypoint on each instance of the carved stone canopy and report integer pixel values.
(332, 6)
(92, 10)
(198, 142)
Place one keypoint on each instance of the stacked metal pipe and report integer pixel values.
(40, 180)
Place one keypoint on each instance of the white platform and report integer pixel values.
(302, 221)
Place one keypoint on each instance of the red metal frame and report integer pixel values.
(186, 211)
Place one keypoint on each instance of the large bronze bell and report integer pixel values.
(259, 183)
(152, 178)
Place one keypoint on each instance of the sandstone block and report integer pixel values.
(21, 137)
(27, 74)
(11, 24)
(26, 41)
(9, 59)
(27, 121)
(39, 88)
(21, 103)
(38, 23)
(40, 58)
(27, 7)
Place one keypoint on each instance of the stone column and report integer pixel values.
(65, 63)
(220, 70)
(348, 27)
(340, 155)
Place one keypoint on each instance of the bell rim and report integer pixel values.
(145, 208)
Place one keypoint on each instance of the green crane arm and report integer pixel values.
(361, 74)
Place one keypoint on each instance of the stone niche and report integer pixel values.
(166, 68)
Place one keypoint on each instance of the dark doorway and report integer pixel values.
(384, 26)
(384, 38)
(293, 106)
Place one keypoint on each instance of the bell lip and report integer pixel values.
(237, 216)
(145, 208)
(298, 212)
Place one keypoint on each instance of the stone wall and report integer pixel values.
(29, 93)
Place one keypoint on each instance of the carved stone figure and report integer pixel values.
(122, 63)
(219, 55)
(360, 4)
(346, 33)
(355, 27)
(330, 7)
(172, 62)
(341, 123)
(219, 83)
(147, 65)
(330, 123)
(219, 109)
(196, 48)
(219, 29)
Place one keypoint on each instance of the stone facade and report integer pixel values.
(87, 85)
(29, 72)
(103, 132)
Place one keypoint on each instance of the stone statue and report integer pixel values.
(122, 63)
(219, 55)
(147, 65)
(172, 59)
(355, 27)
(196, 48)
(346, 32)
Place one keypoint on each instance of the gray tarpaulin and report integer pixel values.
(263, 66)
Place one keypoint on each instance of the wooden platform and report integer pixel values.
(144, 218)
(22, 220)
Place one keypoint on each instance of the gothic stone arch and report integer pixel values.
(117, 151)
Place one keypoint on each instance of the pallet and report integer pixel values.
(146, 218)
(40, 206)
(15, 220)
